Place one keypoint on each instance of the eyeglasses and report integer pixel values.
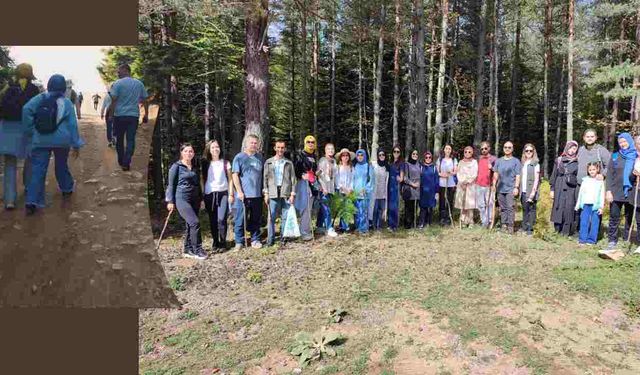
(528, 150)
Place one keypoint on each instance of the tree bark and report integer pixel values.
(396, 74)
(548, 6)
(421, 130)
(360, 93)
(378, 87)
(303, 127)
(207, 112)
(570, 71)
(560, 103)
(432, 54)
(316, 47)
(292, 94)
(332, 121)
(256, 60)
(411, 92)
(635, 112)
(515, 73)
(441, 72)
(494, 74)
(479, 102)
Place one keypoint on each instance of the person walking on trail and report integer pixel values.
(80, 99)
(327, 169)
(105, 115)
(183, 193)
(447, 167)
(485, 199)
(411, 189)
(278, 183)
(14, 144)
(465, 199)
(506, 180)
(381, 169)
(307, 187)
(218, 192)
(52, 127)
(530, 182)
(396, 176)
(620, 188)
(96, 100)
(363, 186)
(428, 190)
(344, 179)
(72, 95)
(127, 94)
(247, 170)
(564, 190)
(591, 198)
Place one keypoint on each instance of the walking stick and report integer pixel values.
(633, 216)
(165, 227)
(493, 207)
(464, 204)
(244, 229)
(446, 199)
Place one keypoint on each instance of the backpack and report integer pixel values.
(13, 101)
(46, 116)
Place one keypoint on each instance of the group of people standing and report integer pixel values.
(249, 183)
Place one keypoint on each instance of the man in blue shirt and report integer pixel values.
(127, 94)
(247, 179)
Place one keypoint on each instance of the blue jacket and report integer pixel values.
(67, 133)
(364, 178)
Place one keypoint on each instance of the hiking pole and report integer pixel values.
(244, 217)
(633, 216)
(165, 227)
(493, 207)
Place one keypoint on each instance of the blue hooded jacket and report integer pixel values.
(363, 177)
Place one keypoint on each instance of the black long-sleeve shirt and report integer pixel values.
(183, 184)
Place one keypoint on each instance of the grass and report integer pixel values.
(177, 283)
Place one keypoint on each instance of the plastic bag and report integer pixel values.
(290, 226)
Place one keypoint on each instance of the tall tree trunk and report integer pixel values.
(495, 61)
(332, 121)
(303, 127)
(207, 109)
(548, 7)
(411, 92)
(256, 59)
(421, 130)
(479, 104)
(635, 112)
(396, 74)
(570, 71)
(515, 75)
(316, 47)
(236, 122)
(292, 94)
(360, 93)
(432, 54)
(560, 103)
(378, 86)
(453, 64)
(437, 142)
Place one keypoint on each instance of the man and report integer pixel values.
(278, 181)
(71, 94)
(247, 178)
(306, 188)
(80, 99)
(486, 200)
(111, 139)
(96, 100)
(592, 152)
(127, 94)
(506, 179)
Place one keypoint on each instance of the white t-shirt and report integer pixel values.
(217, 177)
(523, 178)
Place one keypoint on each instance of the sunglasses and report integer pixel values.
(528, 150)
(468, 151)
(396, 151)
(312, 142)
(428, 157)
(484, 148)
(507, 147)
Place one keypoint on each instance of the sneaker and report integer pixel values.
(238, 246)
(332, 233)
(612, 246)
(10, 206)
(200, 254)
(307, 238)
(189, 254)
(31, 209)
(637, 251)
(256, 244)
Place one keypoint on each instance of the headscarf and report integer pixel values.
(24, 74)
(629, 155)
(361, 152)
(424, 156)
(56, 86)
(309, 149)
(410, 158)
(565, 153)
(385, 163)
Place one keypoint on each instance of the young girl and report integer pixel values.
(591, 201)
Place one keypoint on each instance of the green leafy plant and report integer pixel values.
(343, 207)
(254, 276)
(178, 283)
(336, 315)
(312, 348)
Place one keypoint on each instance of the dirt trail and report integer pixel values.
(95, 249)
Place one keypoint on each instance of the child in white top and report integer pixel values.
(591, 201)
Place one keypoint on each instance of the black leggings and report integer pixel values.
(615, 213)
(410, 213)
(425, 216)
(216, 204)
(188, 210)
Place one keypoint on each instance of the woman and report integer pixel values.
(467, 173)
(396, 176)
(529, 182)
(58, 136)
(183, 193)
(13, 139)
(326, 176)
(620, 188)
(411, 189)
(381, 169)
(363, 185)
(564, 189)
(344, 179)
(447, 167)
(428, 190)
(218, 192)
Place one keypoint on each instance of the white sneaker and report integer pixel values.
(256, 245)
(332, 233)
(637, 251)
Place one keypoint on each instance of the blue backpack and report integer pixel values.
(46, 117)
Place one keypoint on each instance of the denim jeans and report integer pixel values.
(378, 211)
(324, 212)
(362, 215)
(40, 163)
(276, 206)
(486, 204)
(10, 188)
(110, 136)
(254, 215)
(589, 224)
(125, 126)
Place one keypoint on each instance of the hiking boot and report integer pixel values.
(31, 209)
(256, 244)
(332, 233)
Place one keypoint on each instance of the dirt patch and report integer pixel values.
(274, 362)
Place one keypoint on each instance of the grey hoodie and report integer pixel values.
(597, 153)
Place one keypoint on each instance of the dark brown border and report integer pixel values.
(69, 22)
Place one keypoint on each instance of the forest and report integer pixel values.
(374, 73)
